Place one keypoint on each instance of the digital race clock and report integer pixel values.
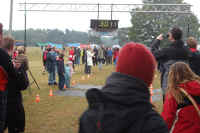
(104, 25)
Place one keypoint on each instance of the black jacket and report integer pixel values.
(16, 85)
(195, 62)
(122, 106)
(168, 56)
(61, 67)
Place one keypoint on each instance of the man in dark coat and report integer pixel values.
(51, 66)
(95, 56)
(61, 72)
(15, 115)
(195, 55)
(7, 71)
(175, 52)
(123, 105)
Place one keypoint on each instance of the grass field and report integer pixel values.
(59, 114)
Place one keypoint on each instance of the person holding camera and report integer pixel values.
(7, 72)
(15, 114)
(176, 51)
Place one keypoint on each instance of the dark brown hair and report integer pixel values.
(176, 33)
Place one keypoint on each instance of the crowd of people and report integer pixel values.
(123, 104)
(54, 60)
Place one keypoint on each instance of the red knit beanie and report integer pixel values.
(137, 61)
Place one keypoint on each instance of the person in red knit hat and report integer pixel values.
(123, 104)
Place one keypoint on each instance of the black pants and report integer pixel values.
(95, 61)
(87, 69)
(3, 109)
(15, 118)
(110, 59)
(61, 81)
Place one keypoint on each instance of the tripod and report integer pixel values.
(34, 81)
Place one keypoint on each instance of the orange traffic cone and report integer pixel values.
(37, 100)
(50, 92)
(83, 77)
(65, 86)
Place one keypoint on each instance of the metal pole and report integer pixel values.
(98, 12)
(11, 17)
(111, 10)
(25, 25)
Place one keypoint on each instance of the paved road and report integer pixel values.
(83, 88)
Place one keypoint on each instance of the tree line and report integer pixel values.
(145, 27)
(50, 35)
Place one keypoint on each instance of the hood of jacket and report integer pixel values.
(192, 87)
(120, 104)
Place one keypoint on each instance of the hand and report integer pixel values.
(160, 37)
(17, 65)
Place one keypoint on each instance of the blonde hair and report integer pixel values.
(180, 72)
(192, 42)
(21, 49)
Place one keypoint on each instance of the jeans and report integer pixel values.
(67, 80)
(78, 60)
(100, 63)
(52, 77)
(61, 81)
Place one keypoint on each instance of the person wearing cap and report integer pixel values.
(176, 51)
(15, 115)
(123, 104)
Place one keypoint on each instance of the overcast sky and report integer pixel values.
(75, 21)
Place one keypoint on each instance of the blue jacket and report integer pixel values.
(51, 61)
(109, 52)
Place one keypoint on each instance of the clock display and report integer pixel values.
(104, 25)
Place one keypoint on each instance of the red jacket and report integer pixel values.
(116, 54)
(182, 119)
(71, 55)
(3, 79)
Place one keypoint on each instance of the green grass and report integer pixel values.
(59, 114)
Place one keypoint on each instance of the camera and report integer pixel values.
(166, 36)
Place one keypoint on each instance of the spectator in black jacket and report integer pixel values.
(61, 72)
(175, 52)
(7, 71)
(123, 105)
(195, 55)
(95, 56)
(15, 117)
